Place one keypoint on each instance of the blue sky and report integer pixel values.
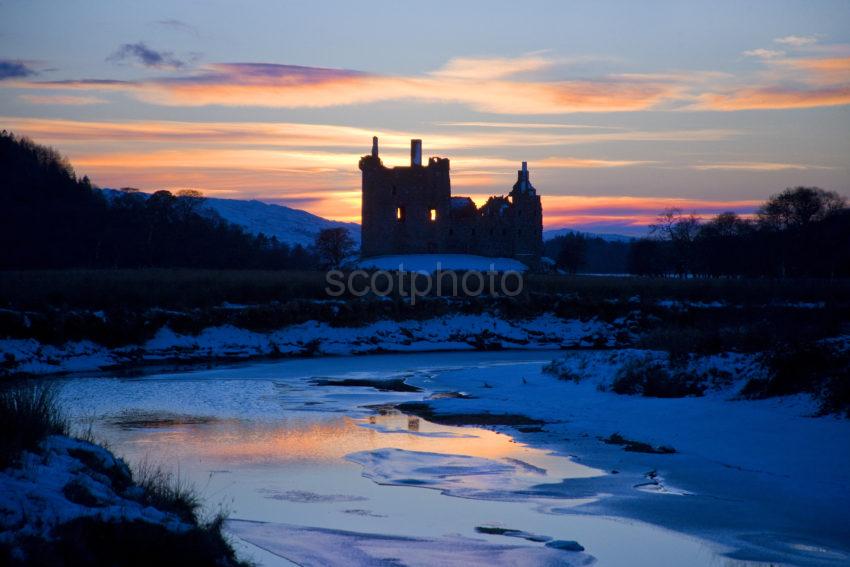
(621, 108)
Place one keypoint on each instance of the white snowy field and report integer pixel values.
(455, 332)
(313, 474)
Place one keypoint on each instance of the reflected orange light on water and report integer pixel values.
(329, 440)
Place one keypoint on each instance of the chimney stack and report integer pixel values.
(415, 152)
(374, 146)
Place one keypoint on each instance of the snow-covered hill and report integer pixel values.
(292, 226)
(289, 225)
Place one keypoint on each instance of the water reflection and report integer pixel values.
(319, 438)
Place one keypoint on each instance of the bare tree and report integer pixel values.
(681, 232)
(334, 245)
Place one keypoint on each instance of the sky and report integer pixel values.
(621, 109)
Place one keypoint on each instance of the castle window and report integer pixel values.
(399, 214)
(394, 191)
(433, 215)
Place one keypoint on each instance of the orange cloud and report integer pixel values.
(482, 84)
(789, 82)
(777, 97)
(826, 71)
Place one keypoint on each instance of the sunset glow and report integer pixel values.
(612, 131)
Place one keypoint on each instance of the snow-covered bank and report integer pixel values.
(71, 502)
(762, 478)
(35, 497)
(456, 332)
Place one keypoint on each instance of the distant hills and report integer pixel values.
(292, 226)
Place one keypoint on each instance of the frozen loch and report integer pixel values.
(317, 466)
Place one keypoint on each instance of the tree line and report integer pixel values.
(800, 232)
(50, 218)
(576, 251)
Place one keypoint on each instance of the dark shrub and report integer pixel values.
(28, 414)
(651, 377)
(814, 368)
(633, 446)
(560, 371)
(168, 492)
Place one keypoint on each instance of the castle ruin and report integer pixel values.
(410, 210)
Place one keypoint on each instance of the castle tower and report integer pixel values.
(405, 210)
(528, 219)
(523, 184)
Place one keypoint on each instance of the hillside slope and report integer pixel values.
(289, 225)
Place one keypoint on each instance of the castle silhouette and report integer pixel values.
(410, 210)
